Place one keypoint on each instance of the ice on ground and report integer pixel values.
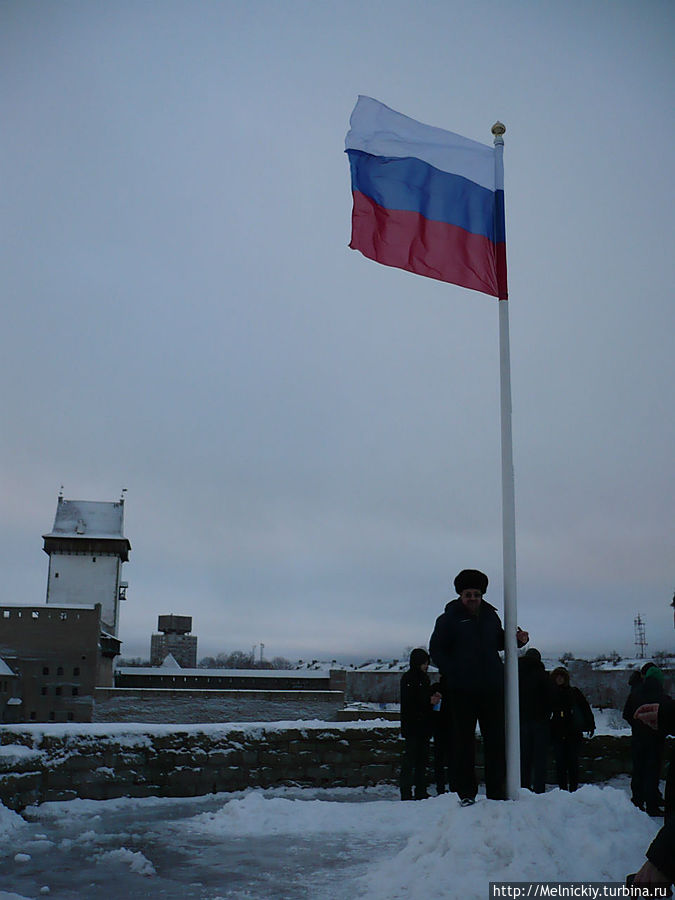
(595, 834)
(325, 845)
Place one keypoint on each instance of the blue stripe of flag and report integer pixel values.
(408, 183)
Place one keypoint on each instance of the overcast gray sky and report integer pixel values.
(310, 441)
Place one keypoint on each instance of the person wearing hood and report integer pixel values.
(465, 647)
(659, 868)
(534, 687)
(571, 715)
(417, 702)
(647, 745)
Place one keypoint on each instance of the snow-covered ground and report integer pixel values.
(295, 844)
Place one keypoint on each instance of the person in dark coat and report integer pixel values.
(441, 729)
(416, 703)
(534, 687)
(571, 715)
(659, 869)
(465, 646)
(647, 745)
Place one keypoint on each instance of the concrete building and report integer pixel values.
(86, 549)
(175, 640)
(56, 655)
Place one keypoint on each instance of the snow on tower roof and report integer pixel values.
(88, 519)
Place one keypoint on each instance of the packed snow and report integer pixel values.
(301, 844)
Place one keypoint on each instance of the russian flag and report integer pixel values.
(426, 200)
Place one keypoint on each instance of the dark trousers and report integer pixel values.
(566, 755)
(647, 754)
(442, 731)
(486, 709)
(533, 754)
(414, 761)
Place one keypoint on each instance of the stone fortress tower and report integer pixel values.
(86, 549)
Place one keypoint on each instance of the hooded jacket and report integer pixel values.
(534, 688)
(571, 713)
(466, 648)
(416, 709)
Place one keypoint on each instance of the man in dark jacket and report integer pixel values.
(534, 687)
(465, 646)
(647, 745)
(659, 870)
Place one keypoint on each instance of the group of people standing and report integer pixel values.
(465, 647)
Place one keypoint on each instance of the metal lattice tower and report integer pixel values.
(640, 641)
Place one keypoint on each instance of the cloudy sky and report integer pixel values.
(310, 442)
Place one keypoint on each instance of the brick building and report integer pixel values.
(174, 639)
(57, 655)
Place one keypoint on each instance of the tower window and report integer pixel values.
(32, 715)
(59, 671)
(56, 574)
(45, 670)
(70, 717)
(43, 691)
(51, 716)
(76, 670)
(35, 614)
(57, 691)
(5, 614)
(63, 616)
(75, 691)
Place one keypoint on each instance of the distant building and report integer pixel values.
(53, 657)
(9, 693)
(171, 676)
(175, 640)
(86, 549)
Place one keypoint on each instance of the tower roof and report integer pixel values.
(88, 519)
(88, 525)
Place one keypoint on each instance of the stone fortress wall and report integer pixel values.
(40, 763)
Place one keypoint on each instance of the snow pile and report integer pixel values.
(595, 834)
(138, 864)
(610, 721)
(256, 814)
(10, 824)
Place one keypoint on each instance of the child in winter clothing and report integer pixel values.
(416, 707)
(570, 716)
(535, 711)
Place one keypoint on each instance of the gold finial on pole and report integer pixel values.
(498, 130)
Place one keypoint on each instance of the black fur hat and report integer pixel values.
(471, 579)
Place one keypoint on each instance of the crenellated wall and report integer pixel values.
(39, 763)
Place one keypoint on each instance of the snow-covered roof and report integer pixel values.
(5, 669)
(226, 673)
(16, 604)
(88, 519)
(170, 662)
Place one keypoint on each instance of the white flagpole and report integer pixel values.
(512, 716)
